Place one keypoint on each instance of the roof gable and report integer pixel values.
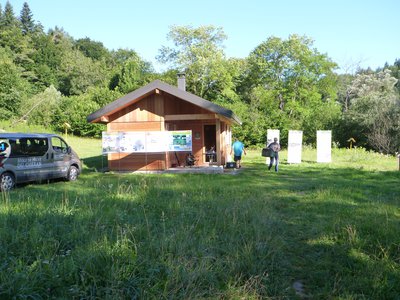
(150, 88)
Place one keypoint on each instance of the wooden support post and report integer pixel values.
(218, 139)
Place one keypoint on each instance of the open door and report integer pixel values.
(210, 143)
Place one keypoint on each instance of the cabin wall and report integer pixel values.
(148, 115)
(137, 161)
(145, 115)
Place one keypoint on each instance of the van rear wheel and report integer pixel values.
(73, 173)
(7, 181)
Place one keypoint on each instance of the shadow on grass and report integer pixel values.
(95, 163)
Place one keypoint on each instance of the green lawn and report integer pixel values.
(327, 231)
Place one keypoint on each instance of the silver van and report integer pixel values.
(28, 157)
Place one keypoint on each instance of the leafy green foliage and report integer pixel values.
(375, 111)
(198, 53)
(74, 110)
(42, 107)
(80, 72)
(134, 74)
(92, 49)
(13, 87)
(292, 85)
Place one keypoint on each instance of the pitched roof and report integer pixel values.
(150, 88)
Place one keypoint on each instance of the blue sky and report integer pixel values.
(352, 33)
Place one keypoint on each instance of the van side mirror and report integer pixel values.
(69, 150)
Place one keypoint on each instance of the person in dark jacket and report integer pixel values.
(275, 148)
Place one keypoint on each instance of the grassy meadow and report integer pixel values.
(319, 231)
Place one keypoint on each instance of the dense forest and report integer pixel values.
(51, 78)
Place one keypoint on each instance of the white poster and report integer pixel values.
(324, 143)
(110, 142)
(157, 141)
(271, 134)
(295, 146)
(132, 142)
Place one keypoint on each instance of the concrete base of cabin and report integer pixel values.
(185, 170)
(195, 169)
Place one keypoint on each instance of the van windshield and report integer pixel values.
(23, 147)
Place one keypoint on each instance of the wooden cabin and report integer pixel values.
(161, 107)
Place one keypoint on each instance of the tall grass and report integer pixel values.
(331, 229)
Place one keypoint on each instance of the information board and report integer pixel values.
(295, 141)
(146, 141)
(324, 142)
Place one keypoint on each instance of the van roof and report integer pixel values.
(20, 135)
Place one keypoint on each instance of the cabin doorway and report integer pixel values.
(210, 142)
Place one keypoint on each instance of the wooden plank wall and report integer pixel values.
(136, 161)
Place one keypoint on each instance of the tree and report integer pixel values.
(40, 108)
(123, 55)
(26, 18)
(92, 49)
(375, 111)
(8, 18)
(10, 33)
(343, 91)
(13, 87)
(198, 52)
(294, 78)
(47, 57)
(73, 110)
(132, 73)
(11, 37)
(79, 72)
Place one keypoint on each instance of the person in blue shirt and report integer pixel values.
(238, 149)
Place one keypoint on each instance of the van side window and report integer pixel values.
(25, 147)
(59, 145)
(38, 147)
(17, 147)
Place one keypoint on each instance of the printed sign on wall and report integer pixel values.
(130, 142)
(295, 146)
(324, 142)
(180, 140)
(146, 141)
(110, 142)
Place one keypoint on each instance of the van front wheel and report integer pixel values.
(72, 173)
(7, 181)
